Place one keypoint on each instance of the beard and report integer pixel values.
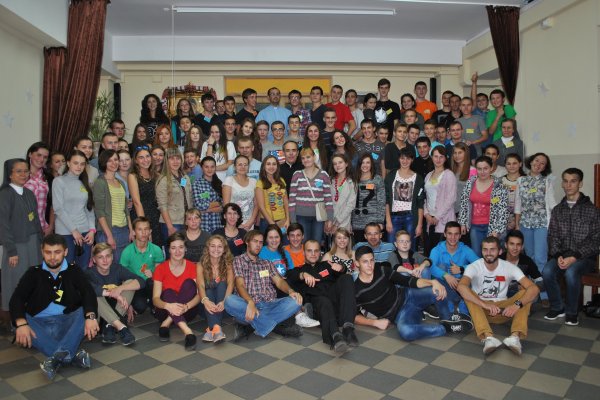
(54, 265)
(490, 259)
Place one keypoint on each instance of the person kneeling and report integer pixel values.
(115, 287)
(330, 290)
(484, 286)
(53, 307)
(391, 296)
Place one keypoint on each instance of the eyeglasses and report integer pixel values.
(142, 147)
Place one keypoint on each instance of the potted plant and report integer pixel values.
(104, 112)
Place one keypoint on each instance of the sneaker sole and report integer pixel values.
(221, 340)
(490, 350)
(572, 323)
(341, 348)
(431, 316)
(554, 318)
(128, 343)
(105, 341)
(515, 350)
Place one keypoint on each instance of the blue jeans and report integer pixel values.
(536, 247)
(313, 229)
(477, 234)
(403, 222)
(454, 298)
(409, 319)
(216, 294)
(270, 313)
(62, 332)
(121, 236)
(552, 273)
(82, 261)
(165, 234)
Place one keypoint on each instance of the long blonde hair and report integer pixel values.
(225, 261)
(334, 248)
(166, 170)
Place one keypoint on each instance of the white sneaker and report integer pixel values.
(513, 343)
(490, 344)
(303, 320)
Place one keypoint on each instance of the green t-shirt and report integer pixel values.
(134, 260)
(509, 112)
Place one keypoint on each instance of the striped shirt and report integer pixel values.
(302, 202)
(117, 199)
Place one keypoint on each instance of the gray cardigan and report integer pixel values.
(103, 203)
(69, 201)
(18, 219)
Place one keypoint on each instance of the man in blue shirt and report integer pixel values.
(448, 261)
(381, 250)
(53, 307)
(274, 112)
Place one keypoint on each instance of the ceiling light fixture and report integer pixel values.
(252, 10)
(455, 2)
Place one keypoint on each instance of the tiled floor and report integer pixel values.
(558, 362)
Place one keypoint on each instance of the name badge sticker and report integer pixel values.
(324, 273)
(30, 216)
(375, 156)
(318, 183)
(183, 182)
(509, 144)
(238, 242)
(533, 190)
(370, 186)
(264, 273)
(495, 200)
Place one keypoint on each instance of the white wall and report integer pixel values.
(562, 121)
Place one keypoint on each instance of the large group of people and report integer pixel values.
(330, 215)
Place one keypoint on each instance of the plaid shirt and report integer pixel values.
(305, 120)
(203, 194)
(39, 186)
(257, 277)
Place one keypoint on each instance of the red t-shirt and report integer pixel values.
(169, 281)
(343, 114)
(426, 108)
(481, 205)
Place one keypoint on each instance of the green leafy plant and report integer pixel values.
(104, 112)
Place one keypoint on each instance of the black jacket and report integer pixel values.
(37, 289)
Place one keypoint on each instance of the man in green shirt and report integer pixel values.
(141, 257)
(500, 113)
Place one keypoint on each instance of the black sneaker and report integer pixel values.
(109, 336)
(339, 345)
(126, 336)
(82, 359)
(51, 364)
(190, 342)
(571, 320)
(350, 336)
(431, 311)
(242, 331)
(552, 315)
(288, 330)
(164, 334)
(458, 323)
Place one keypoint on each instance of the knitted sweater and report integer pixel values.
(370, 203)
(69, 200)
(302, 202)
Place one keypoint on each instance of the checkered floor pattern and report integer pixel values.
(558, 361)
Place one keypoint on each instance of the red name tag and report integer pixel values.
(238, 242)
(408, 266)
(324, 273)
(500, 279)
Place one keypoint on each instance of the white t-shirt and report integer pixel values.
(220, 157)
(242, 195)
(492, 285)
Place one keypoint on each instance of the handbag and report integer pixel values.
(320, 210)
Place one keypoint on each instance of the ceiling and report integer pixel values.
(416, 19)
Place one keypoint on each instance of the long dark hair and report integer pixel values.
(215, 183)
(221, 145)
(280, 250)
(41, 145)
(262, 176)
(145, 116)
(358, 172)
(320, 146)
(83, 177)
(349, 148)
(8, 167)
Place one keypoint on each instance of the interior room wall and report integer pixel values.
(557, 95)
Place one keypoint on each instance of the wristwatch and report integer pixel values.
(519, 303)
(91, 316)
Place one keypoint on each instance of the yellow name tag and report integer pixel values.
(533, 190)
(82, 189)
(264, 273)
(495, 200)
(509, 144)
(31, 215)
(59, 294)
(388, 111)
(470, 130)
